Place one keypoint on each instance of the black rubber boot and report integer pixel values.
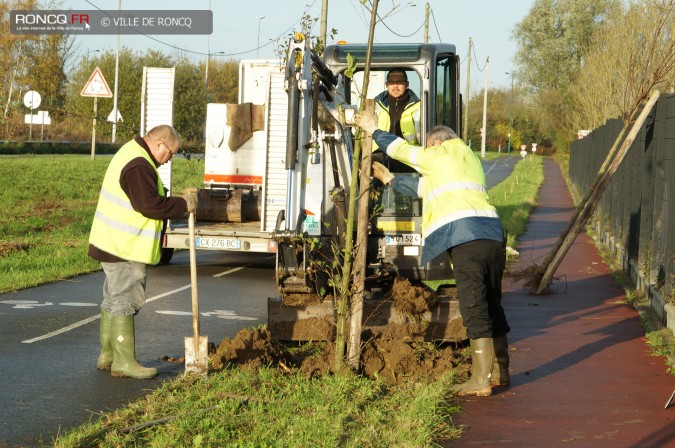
(500, 366)
(124, 350)
(105, 359)
(482, 355)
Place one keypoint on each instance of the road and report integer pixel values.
(49, 335)
(49, 339)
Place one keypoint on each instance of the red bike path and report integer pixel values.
(582, 374)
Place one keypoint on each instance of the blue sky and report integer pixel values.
(489, 23)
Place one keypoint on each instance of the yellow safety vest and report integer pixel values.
(453, 186)
(410, 122)
(118, 229)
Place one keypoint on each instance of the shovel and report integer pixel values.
(196, 347)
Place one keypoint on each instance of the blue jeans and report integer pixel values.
(124, 287)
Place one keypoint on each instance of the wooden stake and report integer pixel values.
(587, 207)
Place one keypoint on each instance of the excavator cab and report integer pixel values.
(320, 147)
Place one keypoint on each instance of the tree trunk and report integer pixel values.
(358, 287)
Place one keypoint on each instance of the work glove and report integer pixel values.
(192, 201)
(367, 122)
(381, 173)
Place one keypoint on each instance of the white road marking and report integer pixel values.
(25, 304)
(18, 302)
(93, 318)
(174, 313)
(227, 314)
(222, 314)
(488, 171)
(63, 330)
(232, 270)
(98, 316)
(78, 304)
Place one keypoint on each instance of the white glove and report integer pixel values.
(367, 122)
(381, 173)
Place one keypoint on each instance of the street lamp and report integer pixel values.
(91, 51)
(257, 50)
(508, 147)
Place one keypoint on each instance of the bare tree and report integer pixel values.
(650, 64)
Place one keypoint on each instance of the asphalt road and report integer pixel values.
(49, 335)
(49, 339)
(496, 170)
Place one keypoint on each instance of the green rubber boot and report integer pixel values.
(500, 366)
(124, 350)
(479, 384)
(105, 359)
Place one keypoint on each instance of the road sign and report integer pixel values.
(96, 86)
(111, 117)
(32, 99)
(42, 117)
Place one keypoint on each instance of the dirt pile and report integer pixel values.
(393, 347)
(411, 300)
(384, 355)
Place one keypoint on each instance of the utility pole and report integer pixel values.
(466, 95)
(324, 23)
(508, 148)
(208, 55)
(117, 69)
(482, 142)
(426, 24)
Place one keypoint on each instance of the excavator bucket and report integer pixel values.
(407, 311)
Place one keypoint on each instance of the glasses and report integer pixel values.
(396, 83)
(170, 152)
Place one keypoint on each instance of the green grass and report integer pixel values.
(238, 408)
(48, 205)
(516, 196)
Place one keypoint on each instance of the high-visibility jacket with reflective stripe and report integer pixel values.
(119, 229)
(410, 118)
(456, 208)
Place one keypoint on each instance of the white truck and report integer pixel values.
(244, 187)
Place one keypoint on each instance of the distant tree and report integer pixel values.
(190, 99)
(551, 42)
(224, 81)
(634, 53)
(31, 62)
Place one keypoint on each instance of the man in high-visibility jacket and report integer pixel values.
(398, 112)
(126, 236)
(458, 218)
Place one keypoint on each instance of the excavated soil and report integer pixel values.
(384, 355)
(395, 352)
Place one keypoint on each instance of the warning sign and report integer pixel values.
(96, 86)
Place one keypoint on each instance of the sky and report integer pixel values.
(237, 26)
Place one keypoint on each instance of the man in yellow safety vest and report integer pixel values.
(126, 236)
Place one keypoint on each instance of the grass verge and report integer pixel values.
(238, 408)
(48, 206)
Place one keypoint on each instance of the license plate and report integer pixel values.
(218, 243)
(406, 239)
